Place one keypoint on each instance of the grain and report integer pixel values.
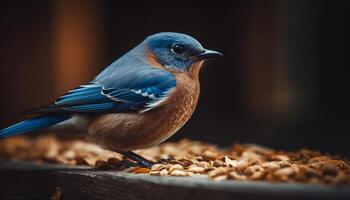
(190, 158)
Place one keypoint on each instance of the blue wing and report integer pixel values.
(142, 92)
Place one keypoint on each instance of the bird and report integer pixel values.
(138, 101)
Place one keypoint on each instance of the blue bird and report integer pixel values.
(138, 101)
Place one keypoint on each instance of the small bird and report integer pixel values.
(138, 101)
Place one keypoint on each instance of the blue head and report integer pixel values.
(177, 52)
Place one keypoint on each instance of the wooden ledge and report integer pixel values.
(23, 180)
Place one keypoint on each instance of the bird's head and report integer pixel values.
(177, 52)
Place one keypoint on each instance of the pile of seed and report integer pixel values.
(190, 158)
(50, 149)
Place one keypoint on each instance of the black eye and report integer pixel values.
(178, 49)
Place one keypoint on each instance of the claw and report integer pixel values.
(165, 161)
(139, 159)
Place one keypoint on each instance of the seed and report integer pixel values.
(253, 169)
(163, 172)
(229, 162)
(157, 167)
(167, 166)
(220, 177)
(101, 164)
(80, 160)
(209, 155)
(208, 169)
(90, 160)
(198, 158)
(280, 158)
(189, 173)
(203, 164)
(113, 161)
(331, 170)
(308, 172)
(287, 171)
(196, 169)
(318, 159)
(217, 172)
(248, 155)
(176, 167)
(241, 165)
(141, 170)
(235, 175)
(273, 165)
(258, 175)
(69, 154)
(342, 179)
(284, 163)
(218, 163)
(177, 172)
(255, 162)
(185, 162)
(340, 165)
(154, 173)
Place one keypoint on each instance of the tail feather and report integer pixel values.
(34, 124)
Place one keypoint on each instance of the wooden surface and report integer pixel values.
(21, 180)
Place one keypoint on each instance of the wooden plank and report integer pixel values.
(21, 180)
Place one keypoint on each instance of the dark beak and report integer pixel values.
(208, 54)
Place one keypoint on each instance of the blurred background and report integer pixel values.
(282, 82)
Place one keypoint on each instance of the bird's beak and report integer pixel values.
(208, 54)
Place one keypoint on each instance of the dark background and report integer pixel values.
(282, 82)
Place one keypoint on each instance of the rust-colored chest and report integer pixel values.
(130, 131)
(173, 114)
(182, 103)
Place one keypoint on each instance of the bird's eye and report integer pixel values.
(178, 49)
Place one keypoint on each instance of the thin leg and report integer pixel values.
(166, 161)
(139, 159)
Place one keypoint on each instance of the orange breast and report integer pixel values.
(130, 131)
(182, 103)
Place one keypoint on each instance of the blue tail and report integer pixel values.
(34, 124)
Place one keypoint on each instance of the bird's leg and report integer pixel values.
(166, 161)
(139, 159)
(126, 164)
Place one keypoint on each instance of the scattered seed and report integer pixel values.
(188, 158)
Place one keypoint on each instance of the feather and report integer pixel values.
(143, 91)
(36, 123)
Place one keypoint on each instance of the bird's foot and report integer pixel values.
(169, 160)
(126, 164)
(146, 163)
(140, 161)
